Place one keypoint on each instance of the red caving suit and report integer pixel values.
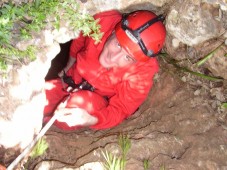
(126, 88)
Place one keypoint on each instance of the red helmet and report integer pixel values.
(141, 34)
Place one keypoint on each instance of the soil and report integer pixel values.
(177, 127)
(180, 126)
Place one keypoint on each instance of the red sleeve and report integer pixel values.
(130, 94)
(77, 45)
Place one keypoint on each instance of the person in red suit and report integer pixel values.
(118, 71)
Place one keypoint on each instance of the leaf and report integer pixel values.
(8, 7)
(146, 164)
(4, 21)
(184, 69)
(112, 162)
(3, 65)
(33, 18)
(205, 59)
(208, 56)
(224, 105)
(39, 148)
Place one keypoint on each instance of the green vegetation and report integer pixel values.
(146, 164)
(163, 167)
(202, 61)
(39, 149)
(113, 162)
(224, 105)
(184, 69)
(125, 144)
(17, 22)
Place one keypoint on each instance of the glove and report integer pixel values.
(76, 111)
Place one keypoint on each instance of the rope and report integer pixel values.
(30, 146)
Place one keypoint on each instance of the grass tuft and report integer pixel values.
(146, 164)
(39, 149)
(113, 162)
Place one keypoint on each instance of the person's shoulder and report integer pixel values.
(110, 13)
(152, 62)
(107, 21)
(149, 66)
(142, 70)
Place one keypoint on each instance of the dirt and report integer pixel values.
(176, 128)
(179, 126)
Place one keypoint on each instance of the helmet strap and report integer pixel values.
(134, 35)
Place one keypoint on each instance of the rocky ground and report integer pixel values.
(176, 128)
(181, 125)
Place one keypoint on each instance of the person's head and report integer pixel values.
(139, 36)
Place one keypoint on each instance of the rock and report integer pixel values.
(193, 22)
(168, 130)
(217, 64)
(179, 126)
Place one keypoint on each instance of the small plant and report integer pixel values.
(184, 69)
(112, 162)
(207, 57)
(3, 65)
(13, 55)
(224, 105)
(39, 149)
(146, 164)
(117, 163)
(125, 144)
(163, 167)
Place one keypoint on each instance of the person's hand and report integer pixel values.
(75, 116)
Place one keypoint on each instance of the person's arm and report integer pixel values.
(121, 106)
(128, 98)
(76, 46)
(69, 64)
(130, 94)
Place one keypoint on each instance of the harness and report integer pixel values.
(84, 85)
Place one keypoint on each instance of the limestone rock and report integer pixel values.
(193, 22)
